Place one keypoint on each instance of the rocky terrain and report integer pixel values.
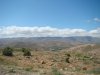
(77, 60)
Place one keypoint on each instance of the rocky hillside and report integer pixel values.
(79, 60)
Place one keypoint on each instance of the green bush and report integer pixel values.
(26, 52)
(23, 49)
(28, 69)
(8, 51)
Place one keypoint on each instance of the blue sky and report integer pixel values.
(73, 14)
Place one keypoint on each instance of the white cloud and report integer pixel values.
(95, 32)
(93, 20)
(96, 19)
(16, 31)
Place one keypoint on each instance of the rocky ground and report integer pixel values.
(83, 60)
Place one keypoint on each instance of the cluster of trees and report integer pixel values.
(8, 51)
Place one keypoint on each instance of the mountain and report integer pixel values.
(47, 42)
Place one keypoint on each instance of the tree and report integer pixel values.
(8, 51)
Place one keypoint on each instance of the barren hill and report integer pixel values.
(47, 42)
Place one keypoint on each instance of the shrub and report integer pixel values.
(29, 68)
(8, 51)
(26, 52)
(67, 58)
(23, 49)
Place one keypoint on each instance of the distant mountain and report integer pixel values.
(47, 42)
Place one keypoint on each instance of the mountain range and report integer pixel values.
(46, 43)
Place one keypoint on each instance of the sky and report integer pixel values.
(49, 18)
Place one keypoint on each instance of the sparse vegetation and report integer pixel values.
(12, 70)
(94, 71)
(88, 48)
(56, 72)
(63, 62)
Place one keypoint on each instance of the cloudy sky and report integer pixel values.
(32, 18)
